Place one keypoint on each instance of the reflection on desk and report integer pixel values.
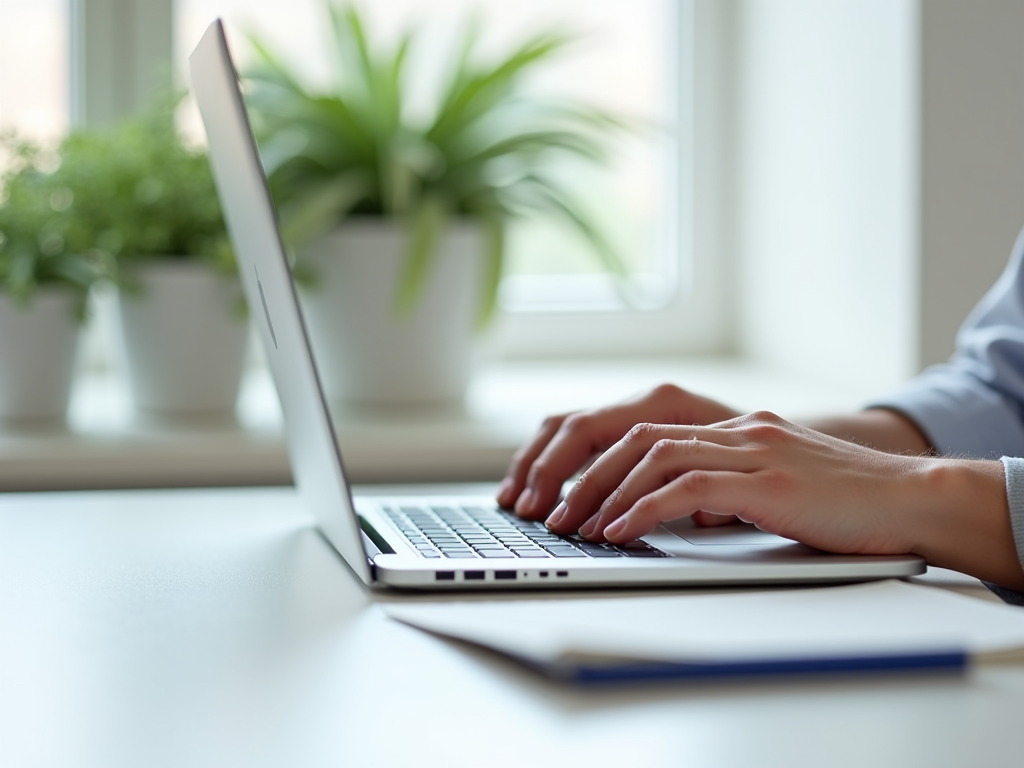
(217, 628)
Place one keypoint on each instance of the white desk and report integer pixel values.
(216, 628)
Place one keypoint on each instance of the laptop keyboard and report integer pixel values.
(458, 532)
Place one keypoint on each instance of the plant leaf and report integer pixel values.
(421, 249)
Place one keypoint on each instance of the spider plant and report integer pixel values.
(484, 152)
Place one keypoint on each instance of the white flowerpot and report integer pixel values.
(37, 355)
(184, 339)
(368, 353)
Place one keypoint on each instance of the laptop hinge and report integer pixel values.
(373, 542)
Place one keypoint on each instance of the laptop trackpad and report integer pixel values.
(734, 535)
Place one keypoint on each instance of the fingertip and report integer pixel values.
(588, 528)
(555, 517)
(613, 532)
(526, 502)
(505, 495)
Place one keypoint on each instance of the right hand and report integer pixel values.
(568, 442)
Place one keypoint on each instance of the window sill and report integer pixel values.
(106, 445)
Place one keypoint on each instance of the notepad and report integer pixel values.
(881, 626)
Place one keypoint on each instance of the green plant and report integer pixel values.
(42, 240)
(484, 152)
(143, 192)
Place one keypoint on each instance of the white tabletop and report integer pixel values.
(216, 628)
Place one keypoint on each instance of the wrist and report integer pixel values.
(956, 516)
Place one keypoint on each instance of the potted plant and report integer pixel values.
(401, 218)
(47, 265)
(154, 209)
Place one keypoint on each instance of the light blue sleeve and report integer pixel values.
(973, 405)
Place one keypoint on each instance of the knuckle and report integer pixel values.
(614, 499)
(576, 423)
(695, 482)
(640, 433)
(667, 391)
(552, 423)
(664, 449)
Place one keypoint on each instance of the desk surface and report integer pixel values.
(216, 628)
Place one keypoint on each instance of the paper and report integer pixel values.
(881, 618)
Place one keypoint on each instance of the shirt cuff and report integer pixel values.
(959, 415)
(1014, 469)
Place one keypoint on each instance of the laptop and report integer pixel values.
(450, 541)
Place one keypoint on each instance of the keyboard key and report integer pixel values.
(494, 553)
(536, 553)
(604, 553)
(460, 555)
(565, 552)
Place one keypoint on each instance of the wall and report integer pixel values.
(879, 177)
(972, 152)
(826, 201)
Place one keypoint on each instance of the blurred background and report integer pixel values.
(810, 198)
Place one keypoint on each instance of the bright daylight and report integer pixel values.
(644, 379)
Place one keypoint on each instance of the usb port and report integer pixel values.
(473, 575)
(562, 573)
(505, 575)
(444, 576)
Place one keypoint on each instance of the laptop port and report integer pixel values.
(562, 573)
(505, 575)
(473, 575)
(444, 576)
(543, 574)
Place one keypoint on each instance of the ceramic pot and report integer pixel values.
(369, 353)
(184, 338)
(38, 342)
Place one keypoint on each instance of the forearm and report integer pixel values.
(878, 428)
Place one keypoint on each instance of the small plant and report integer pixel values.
(43, 241)
(144, 192)
(103, 199)
(484, 152)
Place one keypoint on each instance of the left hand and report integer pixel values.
(785, 479)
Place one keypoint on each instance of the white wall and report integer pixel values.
(878, 176)
(972, 157)
(826, 193)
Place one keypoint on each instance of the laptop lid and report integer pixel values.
(266, 278)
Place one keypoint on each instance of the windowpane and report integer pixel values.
(34, 68)
(624, 61)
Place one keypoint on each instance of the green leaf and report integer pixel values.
(427, 223)
(494, 257)
(321, 207)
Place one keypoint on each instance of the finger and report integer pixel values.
(580, 437)
(515, 479)
(664, 463)
(724, 492)
(611, 469)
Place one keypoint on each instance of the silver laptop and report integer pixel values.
(450, 542)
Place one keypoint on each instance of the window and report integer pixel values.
(34, 68)
(632, 58)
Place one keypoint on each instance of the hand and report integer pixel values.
(785, 479)
(566, 443)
